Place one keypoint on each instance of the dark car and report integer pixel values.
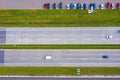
(48, 5)
(91, 5)
(118, 5)
(108, 5)
(84, 6)
(77, 6)
(60, 5)
(54, 6)
(105, 56)
(45, 6)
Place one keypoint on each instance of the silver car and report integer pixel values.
(101, 6)
(112, 6)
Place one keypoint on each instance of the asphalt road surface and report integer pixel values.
(38, 4)
(60, 58)
(40, 78)
(70, 35)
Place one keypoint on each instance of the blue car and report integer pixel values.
(60, 5)
(94, 6)
(105, 56)
(72, 6)
(54, 6)
(84, 6)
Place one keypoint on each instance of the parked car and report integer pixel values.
(112, 6)
(54, 6)
(118, 5)
(71, 6)
(60, 5)
(101, 6)
(81, 7)
(91, 5)
(77, 6)
(94, 6)
(48, 5)
(68, 6)
(45, 6)
(84, 6)
(74, 6)
(108, 5)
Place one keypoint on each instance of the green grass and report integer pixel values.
(57, 18)
(59, 71)
(59, 46)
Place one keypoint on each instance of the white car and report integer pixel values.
(48, 57)
(101, 6)
(74, 6)
(109, 37)
(68, 6)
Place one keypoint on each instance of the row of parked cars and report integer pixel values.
(54, 5)
(84, 6)
(110, 5)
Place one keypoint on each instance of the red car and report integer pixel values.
(118, 5)
(45, 6)
(108, 5)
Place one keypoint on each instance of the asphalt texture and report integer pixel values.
(62, 58)
(38, 4)
(70, 35)
(57, 78)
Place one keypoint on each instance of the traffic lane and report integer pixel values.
(62, 35)
(57, 78)
(62, 58)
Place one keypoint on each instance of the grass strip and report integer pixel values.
(59, 71)
(59, 46)
(59, 18)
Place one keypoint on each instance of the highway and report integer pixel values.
(38, 4)
(70, 35)
(57, 78)
(90, 58)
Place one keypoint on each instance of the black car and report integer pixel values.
(54, 6)
(48, 5)
(105, 56)
(60, 5)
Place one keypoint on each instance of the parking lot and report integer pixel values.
(38, 4)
